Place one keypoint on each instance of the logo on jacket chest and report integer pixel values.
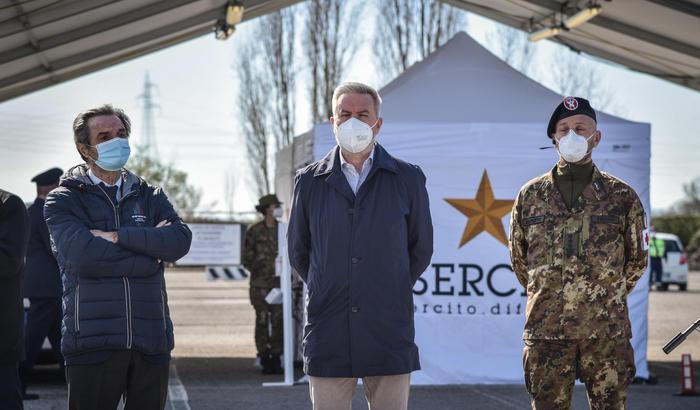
(138, 216)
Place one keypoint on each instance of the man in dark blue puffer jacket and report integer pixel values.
(111, 232)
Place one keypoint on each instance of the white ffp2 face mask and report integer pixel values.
(277, 213)
(354, 135)
(573, 147)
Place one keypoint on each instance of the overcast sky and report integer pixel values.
(197, 127)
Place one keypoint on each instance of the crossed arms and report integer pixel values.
(130, 251)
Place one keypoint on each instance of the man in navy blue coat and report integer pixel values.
(42, 283)
(14, 235)
(360, 234)
(111, 232)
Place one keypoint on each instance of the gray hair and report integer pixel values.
(356, 88)
(81, 131)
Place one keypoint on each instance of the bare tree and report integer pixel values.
(409, 30)
(513, 47)
(266, 98)
(230, 187)
(253, 105)
(276, 34)
(394, 38)
(331, 38)
(576, 76)
(690, 205)
(185, 197)
(437, 24)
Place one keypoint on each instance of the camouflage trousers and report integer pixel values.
(606, 367)
(268, 322)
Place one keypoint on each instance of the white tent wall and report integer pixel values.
(288, 160)
(484, 344)
(457, 114)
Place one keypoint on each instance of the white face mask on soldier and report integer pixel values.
(354, 135)
(277, 212)
(573, 147)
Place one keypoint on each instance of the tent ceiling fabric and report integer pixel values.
(45, 42)
(657, 37)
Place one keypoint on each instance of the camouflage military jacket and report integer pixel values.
(259, 253)
(578, 265)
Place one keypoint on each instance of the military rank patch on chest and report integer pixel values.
(533, 220)
(605, 219)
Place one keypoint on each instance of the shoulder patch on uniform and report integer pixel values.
(645, 239)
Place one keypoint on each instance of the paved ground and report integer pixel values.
(214, 355)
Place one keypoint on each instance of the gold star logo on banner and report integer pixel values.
(484, 213)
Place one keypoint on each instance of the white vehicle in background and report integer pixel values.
(675, 264)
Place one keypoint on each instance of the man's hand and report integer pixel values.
(163, 223)
(113, 237)
(108, 236)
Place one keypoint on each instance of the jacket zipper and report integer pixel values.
(127, 296)
(127, 289)
(77, 308)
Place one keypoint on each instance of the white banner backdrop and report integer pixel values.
(469, 308)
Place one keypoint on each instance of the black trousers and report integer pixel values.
(144, 385)
(10, 388)
(657, 269)
(43, 320)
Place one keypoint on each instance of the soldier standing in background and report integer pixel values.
(42, 283)
(259, 254)
(578, 244)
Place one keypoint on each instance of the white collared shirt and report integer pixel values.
(354, 178)
(96, 181)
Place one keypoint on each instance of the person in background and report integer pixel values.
(259, 254)
(14, 237)
(42, 283)
(657, 253)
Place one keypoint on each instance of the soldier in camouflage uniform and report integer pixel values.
(578, 244)
(259, 254)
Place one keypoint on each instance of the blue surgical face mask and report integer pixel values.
(113, 154)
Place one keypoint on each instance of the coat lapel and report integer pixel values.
(382, 161)
(330, 170)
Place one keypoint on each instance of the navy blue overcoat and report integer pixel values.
(360, 256)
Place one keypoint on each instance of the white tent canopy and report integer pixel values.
(468, 82)
(461, 114)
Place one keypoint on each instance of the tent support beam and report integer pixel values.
(687, 81)
(620, 27)
(33, 41)
(105, 56)
(95, 28)
(47, 16)
(489, 12)
(679, 5)
(105, 51)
